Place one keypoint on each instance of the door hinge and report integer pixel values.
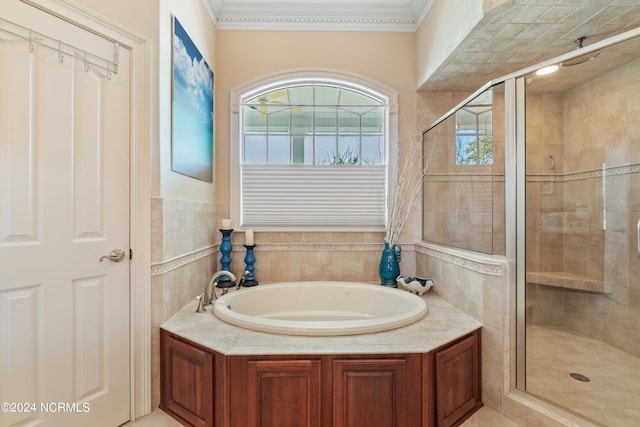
(130, 253)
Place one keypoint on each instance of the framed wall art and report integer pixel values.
(192, 126)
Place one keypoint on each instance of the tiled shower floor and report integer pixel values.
(611, 397)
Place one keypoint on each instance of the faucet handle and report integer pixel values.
(200, 308)
(243, 278)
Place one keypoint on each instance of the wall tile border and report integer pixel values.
(471, 261)
(449, 177)
(158, 268)
(320, 247)
(568, 177)
(577, 176)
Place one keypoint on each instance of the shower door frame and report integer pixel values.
(515, 200)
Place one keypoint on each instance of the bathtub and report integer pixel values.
(320, 308)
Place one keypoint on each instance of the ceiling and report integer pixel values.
(512, 36)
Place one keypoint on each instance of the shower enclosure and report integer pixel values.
(563, 194)
(582, 213)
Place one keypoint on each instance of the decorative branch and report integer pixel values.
(406, 185)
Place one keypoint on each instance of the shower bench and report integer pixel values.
(561, 279)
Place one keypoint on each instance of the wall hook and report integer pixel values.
(86, 64)
(32, 44)
(60, 54)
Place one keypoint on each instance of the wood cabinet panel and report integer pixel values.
(457, 381)
(370, 392)
(283, 393)
(186, 377)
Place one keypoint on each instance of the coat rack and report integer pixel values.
(64, 49)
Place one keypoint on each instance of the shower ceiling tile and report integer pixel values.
(518, 45)
(609, 14)
(555, 14)
(530, 14)
(581, 14)
(510, 31)
(535, 31)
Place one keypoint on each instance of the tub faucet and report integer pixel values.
(208, 294)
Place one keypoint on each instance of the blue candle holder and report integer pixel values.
(250, 260)
(225, 260)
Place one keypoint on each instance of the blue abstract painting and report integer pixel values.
(192, 121)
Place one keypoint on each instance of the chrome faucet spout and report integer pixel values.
(208, 294)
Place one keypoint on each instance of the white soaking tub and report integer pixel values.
(320, 308)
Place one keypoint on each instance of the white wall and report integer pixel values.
(445, 25)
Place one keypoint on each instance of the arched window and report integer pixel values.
(310, 153)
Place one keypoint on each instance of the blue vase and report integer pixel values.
(389, 268)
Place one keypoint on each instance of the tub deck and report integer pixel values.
(442, 324)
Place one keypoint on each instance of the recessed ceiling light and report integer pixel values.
(547, 70)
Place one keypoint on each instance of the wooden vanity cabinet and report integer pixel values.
(436, 389)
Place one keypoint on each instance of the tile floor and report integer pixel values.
(485, 417)
(157, 418)
(611, 396)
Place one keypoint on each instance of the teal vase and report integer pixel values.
(389, 268)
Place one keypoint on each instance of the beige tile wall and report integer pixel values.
(479, 286)
(303, 256)
(182, 254)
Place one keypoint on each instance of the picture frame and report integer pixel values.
(192, 114)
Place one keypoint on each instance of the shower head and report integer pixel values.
(582, 58)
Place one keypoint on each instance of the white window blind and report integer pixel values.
(306, 196)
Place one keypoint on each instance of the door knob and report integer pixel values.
(115, 255)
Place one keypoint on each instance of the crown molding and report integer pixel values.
(352, 15)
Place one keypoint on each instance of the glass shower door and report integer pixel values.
(582, 213)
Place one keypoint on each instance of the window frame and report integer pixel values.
(306, 76)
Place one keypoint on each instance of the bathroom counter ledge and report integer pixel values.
(442, 324)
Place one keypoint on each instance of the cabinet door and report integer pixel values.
(457, 381)
(186, 382)
(375, 392)
(283, 393)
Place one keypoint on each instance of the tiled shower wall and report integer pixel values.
(182, 260)
(464, 204)
(582, 215)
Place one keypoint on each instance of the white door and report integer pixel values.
(64, 203)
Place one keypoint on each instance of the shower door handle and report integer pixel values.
(638, 236)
